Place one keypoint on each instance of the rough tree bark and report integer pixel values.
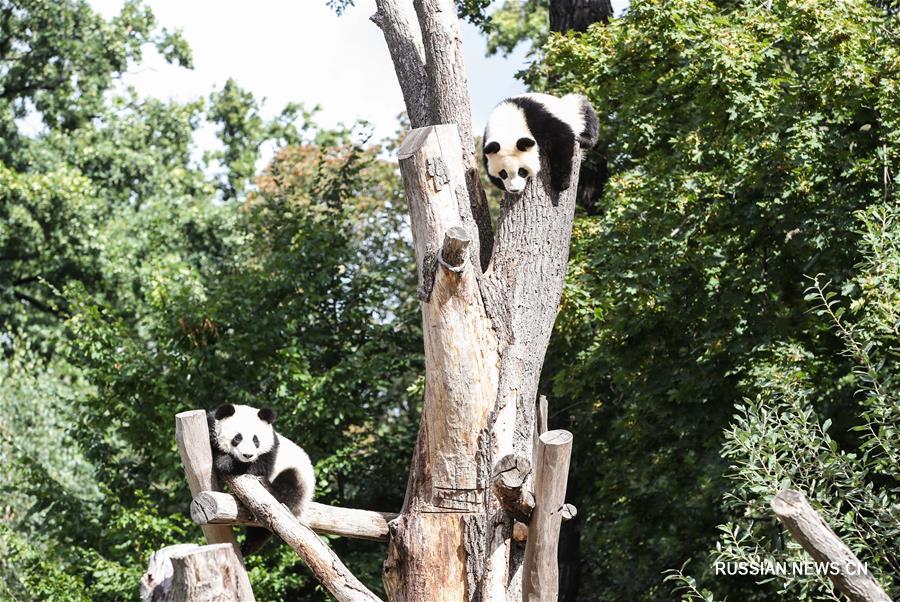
(488, 306)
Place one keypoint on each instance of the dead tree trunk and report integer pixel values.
(489, 301)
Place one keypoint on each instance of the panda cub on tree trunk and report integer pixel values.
(244, 442)
(523, 127)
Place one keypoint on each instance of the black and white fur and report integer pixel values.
(520, 128)
(244, 442)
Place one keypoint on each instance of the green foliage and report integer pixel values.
(61, 57)
(743, 138)
(301, 313)
(242, 131)
(515, 22)
(780, 438)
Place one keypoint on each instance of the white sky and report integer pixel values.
(300, 51)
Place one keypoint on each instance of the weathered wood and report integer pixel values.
(448, 102)
(542, 415)
(460, 349)
(217, 508)
(192, 436)
(485, 340)
(541, 573)
(444, 531)
(453, 251)
(156, 582)
(817, 538)
(398, 21)
(321, 560)
(450, 467)
(212, 573)
(189, 573)
(540, 422)
(510, 480)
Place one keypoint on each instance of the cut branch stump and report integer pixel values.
(188, 573)
(511, 486)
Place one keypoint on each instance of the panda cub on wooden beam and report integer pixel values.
(523, 127)
(244, 442)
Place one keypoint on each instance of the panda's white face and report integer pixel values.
(513, 166)
(244, 432)
(510, 152)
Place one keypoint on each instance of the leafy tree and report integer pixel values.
(744, 137)
(60, 58)
(302, 314)
(242, 131)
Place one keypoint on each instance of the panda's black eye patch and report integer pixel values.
(503, 174)
(255, 440)
(237, 439)
(523, 144)
(523, 172)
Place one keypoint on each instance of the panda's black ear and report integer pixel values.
(224, 411)
(523, 144)
(266, 415)
(492, 147)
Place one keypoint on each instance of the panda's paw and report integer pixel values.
(561, 183)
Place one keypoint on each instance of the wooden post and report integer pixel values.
(817, 538)
(188, 573)
(540, 581)
(217, 508)
(192, 436)
(212, 573)
(320, 558)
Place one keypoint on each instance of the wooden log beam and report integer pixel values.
(540, 580)
(192, 437)
(823, 544)
(189, 573)
(321, 559)
(510, 481)
(217, 508)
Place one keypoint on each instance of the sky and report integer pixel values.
(300, 51)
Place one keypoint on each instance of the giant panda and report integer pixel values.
(244, 442)
(523, 127)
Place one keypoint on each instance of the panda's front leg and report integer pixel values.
(225, 464)
(561, 163)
